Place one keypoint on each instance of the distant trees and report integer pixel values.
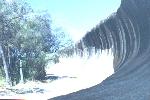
(25, 39)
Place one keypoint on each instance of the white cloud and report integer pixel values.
(60, 20)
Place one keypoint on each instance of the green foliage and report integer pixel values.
(26, 38)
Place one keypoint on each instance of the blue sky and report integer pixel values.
(77, 16)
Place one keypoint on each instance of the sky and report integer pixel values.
(77, 17)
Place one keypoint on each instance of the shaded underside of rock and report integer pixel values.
(127, 32)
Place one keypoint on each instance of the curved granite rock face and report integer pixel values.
(128, 33)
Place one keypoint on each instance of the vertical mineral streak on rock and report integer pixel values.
(127, 32)
(122, 32)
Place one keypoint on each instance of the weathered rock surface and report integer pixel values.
(128, 33)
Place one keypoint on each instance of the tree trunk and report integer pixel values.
(9, 56)
(5, 66)
(21, 72)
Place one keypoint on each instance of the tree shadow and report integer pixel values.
(56, 77)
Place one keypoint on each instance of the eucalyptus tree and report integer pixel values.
(25, 39)
(19, 39)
